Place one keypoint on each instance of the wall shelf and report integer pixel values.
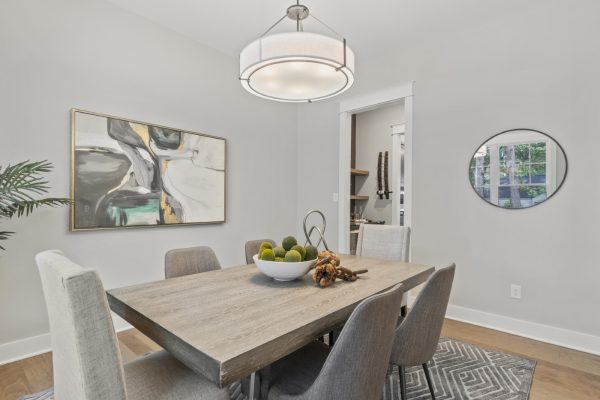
(359, 172)
(358, 197)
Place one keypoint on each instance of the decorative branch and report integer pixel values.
(328, 269)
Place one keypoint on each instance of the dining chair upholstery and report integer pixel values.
(252, 248)
(388, 242)
(353, 369)
(85, 353)
(191, 260)
(417, 336)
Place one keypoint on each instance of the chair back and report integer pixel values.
(356, 367)
(417, 337)
(252, 248)
(388, 242)
(85, 353)
(192, 260)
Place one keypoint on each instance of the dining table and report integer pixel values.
(229, 323)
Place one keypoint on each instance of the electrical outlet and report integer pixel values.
(515, 291)
(335, 197)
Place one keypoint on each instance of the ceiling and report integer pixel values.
(370, 26)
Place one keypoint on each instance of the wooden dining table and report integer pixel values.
(229, 323)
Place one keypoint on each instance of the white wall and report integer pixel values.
(374, 135)
(518, 64)
(93, 55)
(318, 166)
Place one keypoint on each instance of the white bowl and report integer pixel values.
(283, 271)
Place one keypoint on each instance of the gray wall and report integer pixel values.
(92, 55)
(515, 64)
(374, 135)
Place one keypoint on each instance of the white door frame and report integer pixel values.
(362, 104)
(398, 131)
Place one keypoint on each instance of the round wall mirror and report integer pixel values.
(519, 168)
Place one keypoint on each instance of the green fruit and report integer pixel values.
(300, 250)
(279, 251)
(288, 242)
(265, 245)
(267, 255)
(279, 259)
(293, 256)
(311, 253)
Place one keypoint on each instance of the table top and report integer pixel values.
(229, 323)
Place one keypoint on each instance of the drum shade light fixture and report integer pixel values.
(297, 66)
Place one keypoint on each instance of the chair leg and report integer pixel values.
(251, 386)
(402, 379)
(390, 377)
(252, 393)
(331, 338)
(429, 382)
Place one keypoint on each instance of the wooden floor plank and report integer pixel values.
(560, 374)
(13, 381)
(513, 344)
(38, 372)
(554, 382)
(138, 343)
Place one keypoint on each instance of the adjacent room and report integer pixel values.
(301, 200)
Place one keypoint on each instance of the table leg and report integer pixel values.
(252, 391)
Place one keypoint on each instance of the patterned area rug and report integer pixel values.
(235, 392)
(460, 371)
(467, 372)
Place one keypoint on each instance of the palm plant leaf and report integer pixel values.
(20, 182)
(4, 235)
(27, 207)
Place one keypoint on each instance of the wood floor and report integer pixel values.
(561, 374)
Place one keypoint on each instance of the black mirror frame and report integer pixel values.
(513, 130)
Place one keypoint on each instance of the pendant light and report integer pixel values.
(297, 66)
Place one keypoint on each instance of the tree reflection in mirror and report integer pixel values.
(519, 168)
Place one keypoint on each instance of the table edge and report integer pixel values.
(178, 348)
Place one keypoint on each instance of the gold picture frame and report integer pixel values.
(132, 174)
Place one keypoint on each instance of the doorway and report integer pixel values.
(375, 178)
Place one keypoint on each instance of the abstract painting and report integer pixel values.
(127, 173)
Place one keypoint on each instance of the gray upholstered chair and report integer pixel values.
(388, 242)
(354, 369)
(417, 336)
(85, 352)
(252, 248)
(191, 260)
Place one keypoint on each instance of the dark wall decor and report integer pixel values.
(127, 173)
(518, 168)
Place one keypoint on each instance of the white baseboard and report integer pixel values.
(532, 330)
(34, 345)
(24, 348)
(120, 324)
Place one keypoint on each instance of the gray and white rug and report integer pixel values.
(460, 371)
